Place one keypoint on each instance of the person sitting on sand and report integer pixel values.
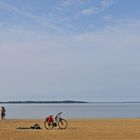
(3, 112)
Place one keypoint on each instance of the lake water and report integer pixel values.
(73, 111)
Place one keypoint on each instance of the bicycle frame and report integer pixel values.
(58, 117)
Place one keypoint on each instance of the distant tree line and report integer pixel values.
(41, 102)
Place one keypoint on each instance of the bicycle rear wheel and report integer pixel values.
(48, 125)
(62, 124)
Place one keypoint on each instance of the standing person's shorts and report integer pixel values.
(2, 114)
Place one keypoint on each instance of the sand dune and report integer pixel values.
(95, 129)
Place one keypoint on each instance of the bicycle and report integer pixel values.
(51, 122)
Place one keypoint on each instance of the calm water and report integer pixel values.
(71, 111)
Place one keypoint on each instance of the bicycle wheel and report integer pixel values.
(62, 124)
(48, 125)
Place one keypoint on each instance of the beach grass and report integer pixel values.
(88, 129)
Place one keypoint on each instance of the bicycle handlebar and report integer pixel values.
(58, 115)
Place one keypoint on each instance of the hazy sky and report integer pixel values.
(70, 50)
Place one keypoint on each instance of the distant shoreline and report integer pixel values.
(42, 102)
(56, 102)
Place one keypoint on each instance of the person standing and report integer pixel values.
(3, 112)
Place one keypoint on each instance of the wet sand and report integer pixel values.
(94, 129)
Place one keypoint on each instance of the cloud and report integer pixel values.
(106, 3)
(88, 11)
(38, 19)
(107, 18)
(65, 3)
(103, 5)
(117, 31)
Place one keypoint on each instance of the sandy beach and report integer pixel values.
(94, 129)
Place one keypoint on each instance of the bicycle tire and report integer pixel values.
(62, 124)
(47, 125)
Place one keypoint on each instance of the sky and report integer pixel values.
(85, 50)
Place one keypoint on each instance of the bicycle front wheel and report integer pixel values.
(62, 124)
(48, 125)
